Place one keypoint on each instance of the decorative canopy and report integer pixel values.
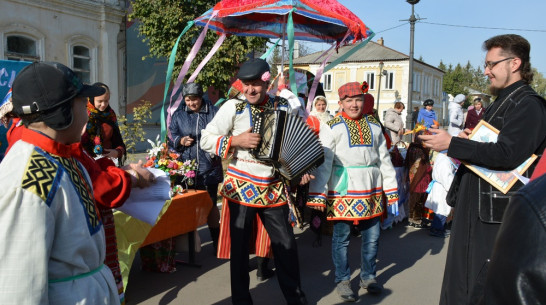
(314, 20)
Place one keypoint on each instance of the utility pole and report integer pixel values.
(411, 20)
(381, 64)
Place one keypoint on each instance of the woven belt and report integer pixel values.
(76, 277)
(343, 183)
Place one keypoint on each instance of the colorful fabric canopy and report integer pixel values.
(314, 20)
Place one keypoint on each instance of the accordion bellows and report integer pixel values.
(287, 143)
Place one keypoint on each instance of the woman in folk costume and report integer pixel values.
(419, 170)
(456, 116)
(320, 110)
(351, 185)
(102, 137)
(442, 175)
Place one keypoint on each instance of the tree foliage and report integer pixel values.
(539, 83)
(133, 133)
(160, 22)
(458, 78)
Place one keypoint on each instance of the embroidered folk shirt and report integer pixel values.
(247, 181)
(53, 244)
(350, 183)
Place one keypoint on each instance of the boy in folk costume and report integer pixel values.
(252, 187)
(352, 185)
(52, 235)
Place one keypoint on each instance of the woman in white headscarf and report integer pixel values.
(319, 109)
(456, 117)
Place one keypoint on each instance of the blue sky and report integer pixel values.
(454, 44)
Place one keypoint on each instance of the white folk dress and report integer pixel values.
(53, 244)
(442, 176)
(351, 184)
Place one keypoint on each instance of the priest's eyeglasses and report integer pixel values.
(491, 64)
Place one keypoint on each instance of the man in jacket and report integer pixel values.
(520, 115)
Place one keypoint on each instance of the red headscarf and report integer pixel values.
(368, 104)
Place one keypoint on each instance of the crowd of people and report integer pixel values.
(64, 171)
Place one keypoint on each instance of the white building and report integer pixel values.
(85, 35)
(387, 73)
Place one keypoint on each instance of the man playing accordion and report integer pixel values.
(252, 187)
(352, 184)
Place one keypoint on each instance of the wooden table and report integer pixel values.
(182, 214)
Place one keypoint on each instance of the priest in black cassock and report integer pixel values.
(520, 115)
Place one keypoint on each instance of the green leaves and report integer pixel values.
(161, 21)
(133, 132)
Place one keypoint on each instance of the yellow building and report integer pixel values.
(387, 73)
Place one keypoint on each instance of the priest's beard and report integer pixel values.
(494, 90)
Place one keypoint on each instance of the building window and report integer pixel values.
(327, 82)
(370, 79)
(426, 84)
(417, 81)
(389, 81)
(21, 48)
(436, 87)
(81, 63)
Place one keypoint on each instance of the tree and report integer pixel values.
(539, 83)
(133, 132)
(442, 66)
(162, 21)
(458, 79)
(276, 58)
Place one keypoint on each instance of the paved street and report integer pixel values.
(410, 266)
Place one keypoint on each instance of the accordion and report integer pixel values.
(287, 143)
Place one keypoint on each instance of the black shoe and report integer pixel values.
(418, 225)
(264, 275)
(438, 233)
(263, 272)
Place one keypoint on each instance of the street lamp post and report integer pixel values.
(411, 20)
(381, 64)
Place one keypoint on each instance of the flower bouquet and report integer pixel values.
(180, 173)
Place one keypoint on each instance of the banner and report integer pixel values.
(8, 70)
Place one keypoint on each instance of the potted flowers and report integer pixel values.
(181, 174)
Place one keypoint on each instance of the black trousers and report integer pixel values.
(284, 248)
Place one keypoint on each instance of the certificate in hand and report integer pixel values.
(146, 204)
(501, 180)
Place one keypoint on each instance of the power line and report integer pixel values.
(483, 27)
(394, 27)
